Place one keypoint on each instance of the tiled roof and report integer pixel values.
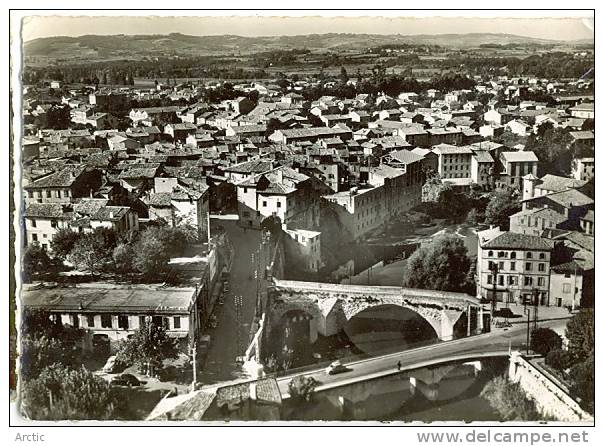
(233, 394)
(570, 198)
(89, 206)
(483, 156)
(447, 149)
(512, 240)
(267, 390)
(47, 210)
(63, 178)
(406, 156)
(556, 183)
(110, 213)
(518, 157)
(253, 166)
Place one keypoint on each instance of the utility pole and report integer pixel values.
(194, 360)
(238, 305)
(535, 307)
(494, 271)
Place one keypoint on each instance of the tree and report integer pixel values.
(544, 340)
(148, 347)
(584, 385)
(558, 359)
(60, 393)
(343, 75)
(46, 342)
(58, 117)
(38, 353)
(35, 261)
(441, 265)
(502, 205)
(63, 242)
(509, 400)
(155, 247)
(123, 258)
(580, 332)
(302, 388)
(94, 250)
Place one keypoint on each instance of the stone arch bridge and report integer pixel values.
(329, 306)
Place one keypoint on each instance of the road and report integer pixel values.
(496, 341)
(230, 337)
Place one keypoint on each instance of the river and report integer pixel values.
(452, 393)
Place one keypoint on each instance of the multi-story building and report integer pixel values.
(583, 168)
(513, 267)
(454, 161)
(482, 169)
(281, 192)
(110, 314)
(63, 186)
(516, 165)
(44, 220)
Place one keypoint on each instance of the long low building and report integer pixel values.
(110, 313)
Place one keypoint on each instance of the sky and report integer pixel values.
(567, 26)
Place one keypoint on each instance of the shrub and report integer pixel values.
(558, 359)
(543, 340)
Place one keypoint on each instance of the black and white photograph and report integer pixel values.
(303, 218)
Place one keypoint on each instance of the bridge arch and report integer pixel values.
(432, 316)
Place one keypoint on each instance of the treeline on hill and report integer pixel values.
(549, 65)
(554, 65)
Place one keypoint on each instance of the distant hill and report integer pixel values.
(95, 47)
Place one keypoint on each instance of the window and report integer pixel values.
(501, 266)
(278, 204)
(512, 255)
(566, 288)
(500, 280)
(528, 281)
(176, 322)
(57, 193)
(122, 322)
(567, 275)
(501, 254)
(529, 266)
(31, 194)
(512, 280)
(541, 281)
(513, 266)
(264, 204)
(48, 194)
(489, 279)
(90, 320)
(490, 255)
(34, 224)
(141, 321)
(34, 237)
(53, 223)
(542, 255)
(541, 267)
(245, 190)
(529, 255)
(106, 321)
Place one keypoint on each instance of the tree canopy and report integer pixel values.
(441, 265)
(148, 347)
(502, 205)
(580, 332)
(60, 393)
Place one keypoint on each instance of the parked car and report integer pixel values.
(114, 365)
(336, 367)
(126, 379)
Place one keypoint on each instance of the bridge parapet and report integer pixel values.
(331, 305)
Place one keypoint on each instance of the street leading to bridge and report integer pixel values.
(494, 343)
